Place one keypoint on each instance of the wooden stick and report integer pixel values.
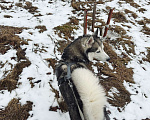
(85, 22)
(108, 21)
(93, 17)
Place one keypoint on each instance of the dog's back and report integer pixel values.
(91, 93)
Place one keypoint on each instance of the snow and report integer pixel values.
(41, 94)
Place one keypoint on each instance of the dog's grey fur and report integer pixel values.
(85, 49)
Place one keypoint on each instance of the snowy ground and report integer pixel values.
(41, 94)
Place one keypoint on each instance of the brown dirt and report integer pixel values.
(16, 111)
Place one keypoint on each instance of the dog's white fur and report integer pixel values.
(99, 54)
(91, 92)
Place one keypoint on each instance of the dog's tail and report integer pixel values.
(91, 93)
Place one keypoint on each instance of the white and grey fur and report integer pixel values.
(85, 48)
(81, 51)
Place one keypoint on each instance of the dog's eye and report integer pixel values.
(98, 52)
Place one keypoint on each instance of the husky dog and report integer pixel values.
(90, 92)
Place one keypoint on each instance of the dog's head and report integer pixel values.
(94, 48)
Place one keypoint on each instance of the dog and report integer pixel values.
(89, 93)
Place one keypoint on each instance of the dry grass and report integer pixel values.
(28, 6)
(52, 62)
(66, 30)
(41, 27)
(119, 17)
(142, 10)
(147, 56)
(10, 81)
(127, 45)
(128, 1)
(146, 30)
(8, 16)
(3, 7)
(118, 29)
(9, 39)
(134, 15)
(16, 111)
(133, 4)
(61, 44)
(116, 77)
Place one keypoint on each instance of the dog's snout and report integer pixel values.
(108, 59)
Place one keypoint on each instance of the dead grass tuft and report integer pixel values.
(119, 17)
(146, 30)
(16, 111)
(146, 119)
(134, 15)
(19, 4)
(30, 8)
(127, 45)
(147, 20)
(8, 16)
(61, 45)
(133, 4)
(8, 84)
(128, 1)
(3, 7)
(9, 39)
(41, 27)
(10, 81)
(74, 21)
(141, 22)
(142, 10)
(52, 62)
(117, 29)
(65, 30)
(147, 56)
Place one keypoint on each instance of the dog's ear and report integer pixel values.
(89, 41)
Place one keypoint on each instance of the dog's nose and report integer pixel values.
(108, 59)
